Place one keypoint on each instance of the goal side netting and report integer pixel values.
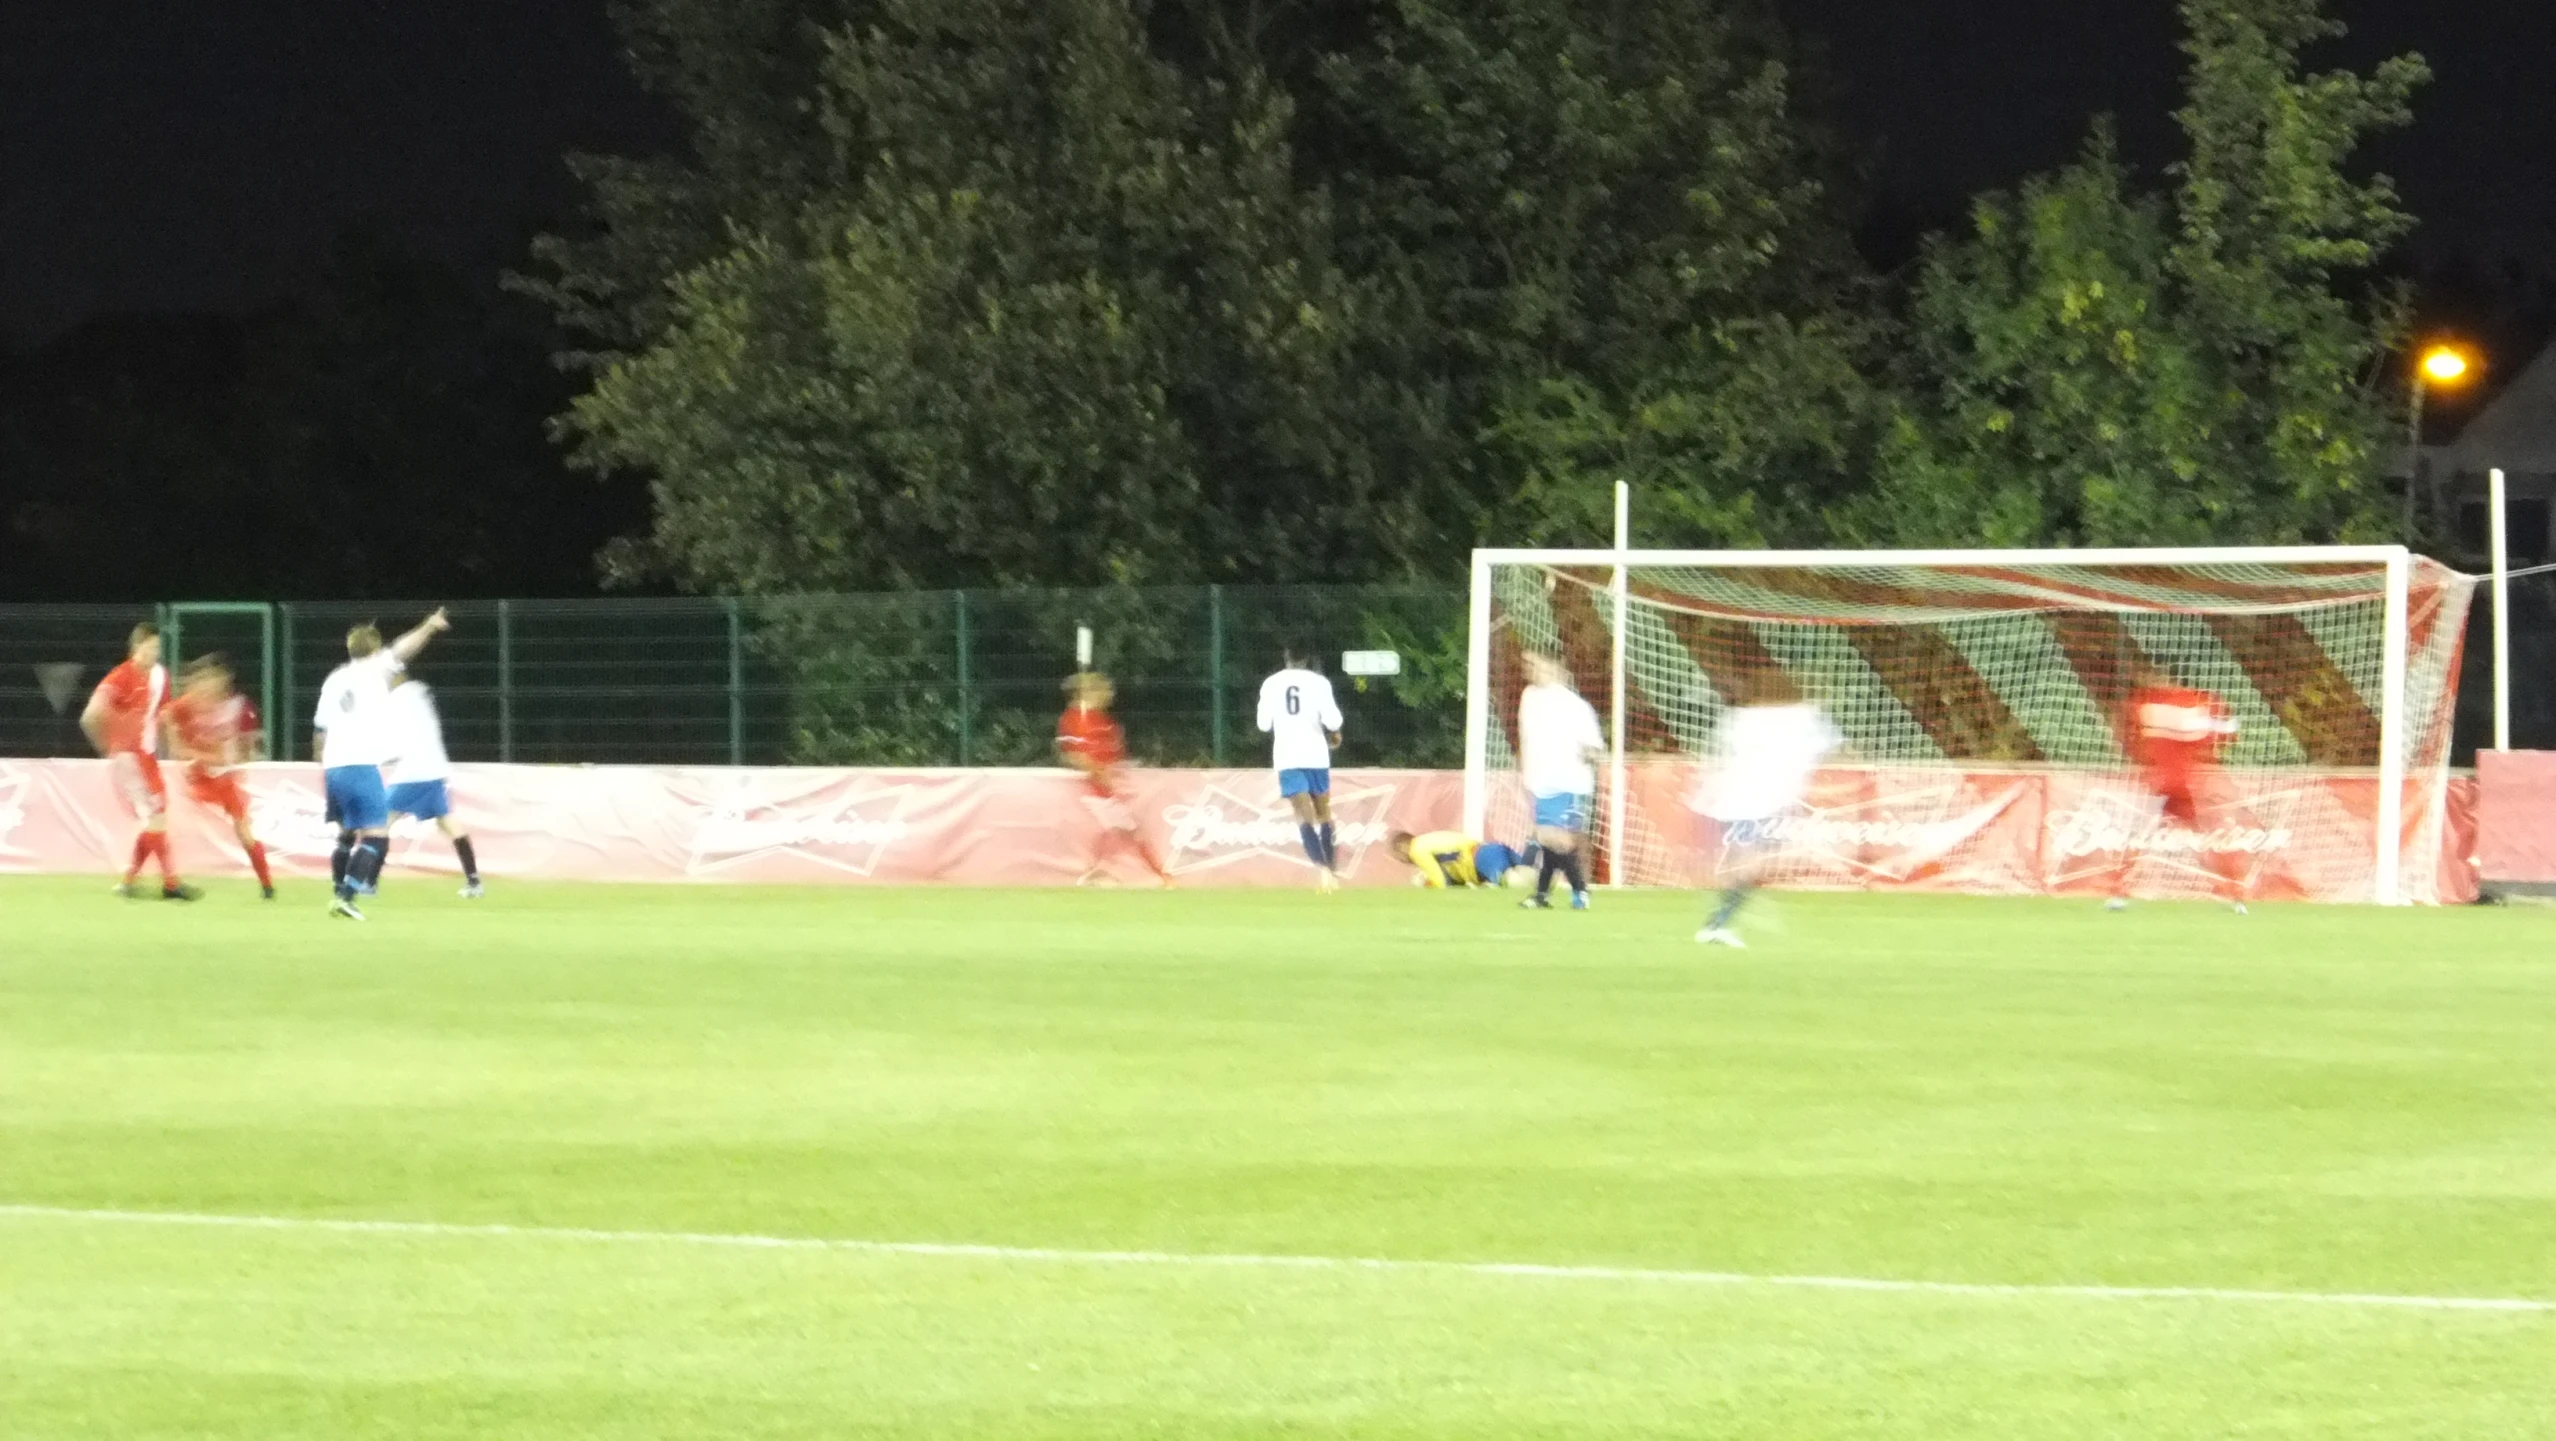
(1960, 678)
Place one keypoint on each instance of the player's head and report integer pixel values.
(1091, 690)
(208, 675)
(1398, 846)
(1543, 669)
(1297, 655)
(364, 640)
(144, 644)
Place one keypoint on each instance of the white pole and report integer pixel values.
(2391, 767)
(1082, 647)
(2502, 614)
(1477, 700)
(1616, 850)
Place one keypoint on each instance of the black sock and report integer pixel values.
(1330, 846)
(1312, 840)
(338, 858)
(1545, 866)
(1572, 872)
(469, 859)
(365, 868)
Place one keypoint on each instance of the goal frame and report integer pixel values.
(2397, 560)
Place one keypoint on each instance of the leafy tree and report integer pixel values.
(2095, 365)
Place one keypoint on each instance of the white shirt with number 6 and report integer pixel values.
(1299, 712)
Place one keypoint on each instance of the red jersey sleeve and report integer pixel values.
(126, 696)
(2172, 728)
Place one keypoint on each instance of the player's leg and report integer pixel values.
(465, 852)
(1328, 833)
(363, 808)
(1741, 847)
(235, 805)
(2227, 872)
(147, 794)
(2155, 794)
(1297, 787)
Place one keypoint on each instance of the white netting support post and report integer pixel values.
(1620, 591)
(2390, 888)
(1477, 700)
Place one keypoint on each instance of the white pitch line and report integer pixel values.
(1049, 1255)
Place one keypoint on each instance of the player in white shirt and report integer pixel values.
(1302, 719)
(1768, 750)
(354, 726)
(1559, 746)
(420, 773)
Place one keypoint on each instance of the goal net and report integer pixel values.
(1981, 697)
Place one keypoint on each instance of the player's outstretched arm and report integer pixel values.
(407, 646)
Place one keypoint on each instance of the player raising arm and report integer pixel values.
(214, 728)
(420, 773)
(1302, 719)
(1767, 752)
(1089, 740)
(354, 725)
(122, 720)
(1559, 746)
(2175, 735)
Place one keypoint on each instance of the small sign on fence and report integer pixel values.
(1363, 663)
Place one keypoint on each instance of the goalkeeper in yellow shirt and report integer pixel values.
(1452, 859)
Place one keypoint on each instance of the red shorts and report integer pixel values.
(220, 792)
(2181, 792)
(137, 779)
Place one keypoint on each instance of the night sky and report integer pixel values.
(194, 155)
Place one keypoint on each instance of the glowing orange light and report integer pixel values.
(2445, 365)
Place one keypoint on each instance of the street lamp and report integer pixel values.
(2439, 365)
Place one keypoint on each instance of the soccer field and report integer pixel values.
(690, 1163)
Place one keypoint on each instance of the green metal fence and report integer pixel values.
(956, 678)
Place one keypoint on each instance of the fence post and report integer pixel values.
(736, 685)
(1216, 673)
(506, 682)
(282, 748)
(966, 684)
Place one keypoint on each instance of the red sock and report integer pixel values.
(141, 853)
(257, 858)
(168, 867)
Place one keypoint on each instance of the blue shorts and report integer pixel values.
(1562, 813)
(1292, 784)
(426, 800)
(356, 800)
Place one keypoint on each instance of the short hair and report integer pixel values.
(212, 663)
(363, 640)
(1296, 653)
(145, 631)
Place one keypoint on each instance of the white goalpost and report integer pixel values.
(1980, 694)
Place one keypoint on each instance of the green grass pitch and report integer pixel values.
(2027, 1095)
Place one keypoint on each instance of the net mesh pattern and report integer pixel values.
(1979, 667)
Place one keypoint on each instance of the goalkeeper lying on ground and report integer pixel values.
(1452, 858)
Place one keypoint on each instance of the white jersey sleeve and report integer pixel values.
(1765, 761)
(353, 716)
(1299, 711)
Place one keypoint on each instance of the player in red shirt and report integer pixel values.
(1090, 741)
(2175, 736)
(122, 720)
(214, 729)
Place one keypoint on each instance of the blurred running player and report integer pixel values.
(2176, 734)
(1089, 740)
(213, 728)
(1768, 750)
(1559, 746)
(1449, 860)
(420, 773)
(1302, 719)
(122, 720)
(353, 722)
